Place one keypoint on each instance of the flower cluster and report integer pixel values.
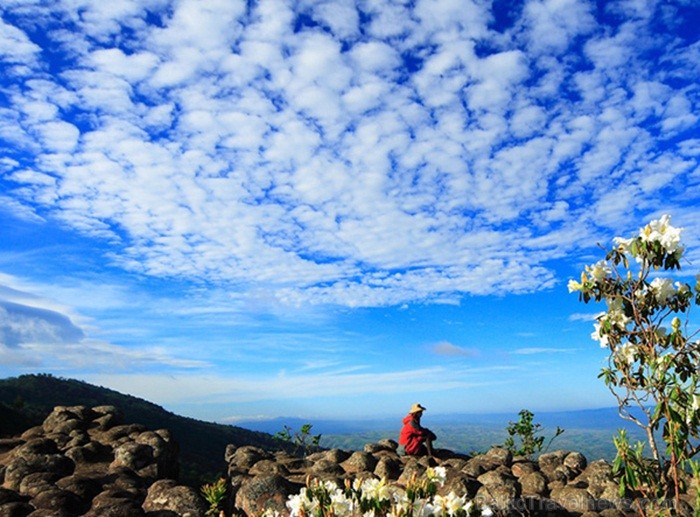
(372, 497)
(662, 232)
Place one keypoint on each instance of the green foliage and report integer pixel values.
(302, 440)
(652, 366)
(214, 494)
(526, 432)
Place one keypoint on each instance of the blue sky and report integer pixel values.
(333, 209)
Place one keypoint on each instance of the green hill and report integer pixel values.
(25, 401)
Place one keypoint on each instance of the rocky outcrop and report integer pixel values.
(87, 461)
(560, 483)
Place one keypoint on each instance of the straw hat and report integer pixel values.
(416, 408)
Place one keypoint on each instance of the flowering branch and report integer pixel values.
(650, 366)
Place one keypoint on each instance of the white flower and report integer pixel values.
(429, 509)
(599, 270)
(297, 505)
(419, 508)
(616, 315)
(485, 510)
(668, 236)
(573, 285)
(623, 244)
(596, 336)
(436, 474)
(663, 289)
(451, 503)
(627, 352)
(340, 504)
(376, 489)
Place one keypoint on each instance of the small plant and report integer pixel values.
(526, 431)
(303, 441)
(214, 493)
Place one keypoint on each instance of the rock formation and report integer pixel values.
(560, 483)
(86, 461)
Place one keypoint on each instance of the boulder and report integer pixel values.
(58, 500)
(63, 420)
(573, 499)
(498, 490)
(16, 509)
(522, 467)
(267, 492)
(25, 464)
(167, 495)
(359, 461)
(388, 467)
(549, 462)
(133, 455)
(534, 484)
(115, 503)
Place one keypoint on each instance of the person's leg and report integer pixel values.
(429, 446)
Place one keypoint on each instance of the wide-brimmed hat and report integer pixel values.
(416, 408)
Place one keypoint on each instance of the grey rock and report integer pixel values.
(574, 500)
(261, 493)
(359, 461)
(167, 495)
(388, 467)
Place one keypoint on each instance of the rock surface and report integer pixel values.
(560, 483)
(86, 461)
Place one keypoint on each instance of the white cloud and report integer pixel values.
(583, 316)
(408, 152)
(554, 24)
(15, 46)
(41, 333)
(213, 389)
(542, 350)
(448, 349)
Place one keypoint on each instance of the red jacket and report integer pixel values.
(412, 435)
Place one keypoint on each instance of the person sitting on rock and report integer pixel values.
(416, 439)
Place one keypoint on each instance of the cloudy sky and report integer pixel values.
(333, 208)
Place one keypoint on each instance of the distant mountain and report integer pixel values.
(588, 431)
(594, 419)
(27, 400)
(323, 426)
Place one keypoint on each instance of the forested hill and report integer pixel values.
(25, 401)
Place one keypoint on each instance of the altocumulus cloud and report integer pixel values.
(357, 153)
